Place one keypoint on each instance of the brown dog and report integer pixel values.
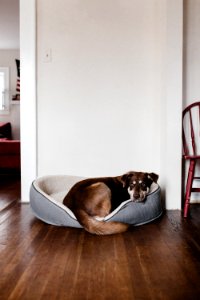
(94, 198)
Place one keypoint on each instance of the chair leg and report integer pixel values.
(189, 187)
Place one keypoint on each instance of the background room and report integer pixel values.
(9, 88)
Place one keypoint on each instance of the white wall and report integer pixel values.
(191, 74)
(9, 24)
(98, 104)
(103, 103)
(191, 52)
(171, 108)
(7, 59)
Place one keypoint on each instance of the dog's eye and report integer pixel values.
(143, 184)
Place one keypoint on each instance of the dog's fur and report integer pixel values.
(94, 198)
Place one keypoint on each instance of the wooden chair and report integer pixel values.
(191, 149)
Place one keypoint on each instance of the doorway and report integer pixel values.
(10, 101)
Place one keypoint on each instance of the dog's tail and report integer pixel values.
(95, 226)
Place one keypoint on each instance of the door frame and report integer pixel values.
(28, 91)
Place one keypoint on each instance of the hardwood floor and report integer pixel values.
(9, 191)
(160, 260)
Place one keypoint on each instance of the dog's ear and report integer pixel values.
(124, 178)
(154, 177)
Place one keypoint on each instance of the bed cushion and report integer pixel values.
(48, 192)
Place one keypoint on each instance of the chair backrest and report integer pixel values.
(191, 129)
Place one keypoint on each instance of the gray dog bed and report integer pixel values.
(48, 192)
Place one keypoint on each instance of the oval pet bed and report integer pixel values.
(48, 192)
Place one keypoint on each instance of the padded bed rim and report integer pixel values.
(107, 218)
(71, 214)
(57, 203)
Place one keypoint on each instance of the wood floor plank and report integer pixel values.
(13, 184)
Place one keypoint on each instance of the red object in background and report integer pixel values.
(5, 130)
(9, 149)
(18, 85)
(191, 149)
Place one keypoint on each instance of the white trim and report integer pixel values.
(28, 96)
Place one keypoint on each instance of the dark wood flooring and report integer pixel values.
(160, 260)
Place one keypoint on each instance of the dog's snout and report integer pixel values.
(136, 195)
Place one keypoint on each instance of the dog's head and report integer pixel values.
(138, 184)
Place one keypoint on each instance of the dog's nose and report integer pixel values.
(136, 195)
